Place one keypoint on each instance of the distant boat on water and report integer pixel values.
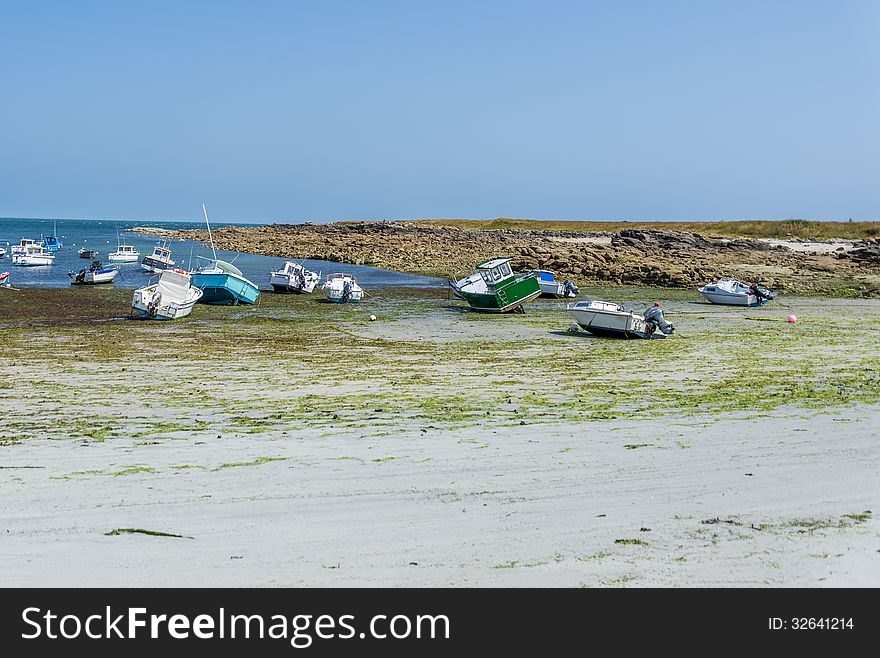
(34, 255)
(22, 246)
(87, 253)
(222, 283)
(96, 273)
(51, 242)
(159, 260)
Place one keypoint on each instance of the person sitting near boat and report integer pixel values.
(654, 318)
(755, 290)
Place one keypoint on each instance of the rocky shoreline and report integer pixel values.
(649, 257)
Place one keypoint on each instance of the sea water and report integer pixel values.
(102, 236)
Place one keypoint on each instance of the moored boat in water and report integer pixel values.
(160, 259)
(22, 246)
(495, 288)
(124, 253)
(96, 273)
(170, 298)
(34, 255)
(293, 278)
(730, 292)
(342, 288)
(90, 254)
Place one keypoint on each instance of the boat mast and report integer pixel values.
(205, 210)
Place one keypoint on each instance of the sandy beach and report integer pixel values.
(300, 443)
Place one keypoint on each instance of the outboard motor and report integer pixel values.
(569, 289)
(654, 320)
(346, 291)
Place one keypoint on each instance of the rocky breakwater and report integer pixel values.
(673, 259)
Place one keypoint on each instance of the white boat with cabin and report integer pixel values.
(294, 278)
(124, 253)
(341, 288)
(159, 260)
(170, 298)
(22, 246)
(34, 255)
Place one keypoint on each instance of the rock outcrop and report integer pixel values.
(673, 259)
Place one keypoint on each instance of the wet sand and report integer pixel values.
(299, 443)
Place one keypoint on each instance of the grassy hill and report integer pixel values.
(788, 228)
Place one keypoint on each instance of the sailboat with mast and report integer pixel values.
(221, 282)
(51, 242)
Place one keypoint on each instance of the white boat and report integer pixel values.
(159, 260)
(293, 277)
(2, 252)
(124, 253)
(550, 287)
(611, 320)
(730, 292)
(22, 246)
(34, 255)
(170, 298)
(96, 273)
(341, 288)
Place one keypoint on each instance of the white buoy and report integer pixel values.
(372, 318)
(573, 327)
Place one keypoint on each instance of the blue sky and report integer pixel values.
(315, 111)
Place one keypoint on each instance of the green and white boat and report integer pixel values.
(495, 288)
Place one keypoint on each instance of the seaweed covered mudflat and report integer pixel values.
(299, 442)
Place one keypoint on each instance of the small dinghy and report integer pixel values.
(611, 320)
(4, 278)
(293, 278)
(89, 254)
(730, 292)
(172, 297)
(342, 288)
(96, 273)
(550, 287)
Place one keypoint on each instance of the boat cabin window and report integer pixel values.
(497, 274)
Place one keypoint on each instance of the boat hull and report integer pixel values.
(113, 258)
(282, 283)
(337, 298)
(95, 278)
(155, 265)
(224, 289)
(22, 260)
(172, 312)
(732, 299)
(611, 324)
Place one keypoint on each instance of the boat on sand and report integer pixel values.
(170, 298)
(730, 292)
(611, 320)
(495, 288)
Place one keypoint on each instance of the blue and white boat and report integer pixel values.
(51, 242)
(550, 287)
(94, 274)
(221, 283)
